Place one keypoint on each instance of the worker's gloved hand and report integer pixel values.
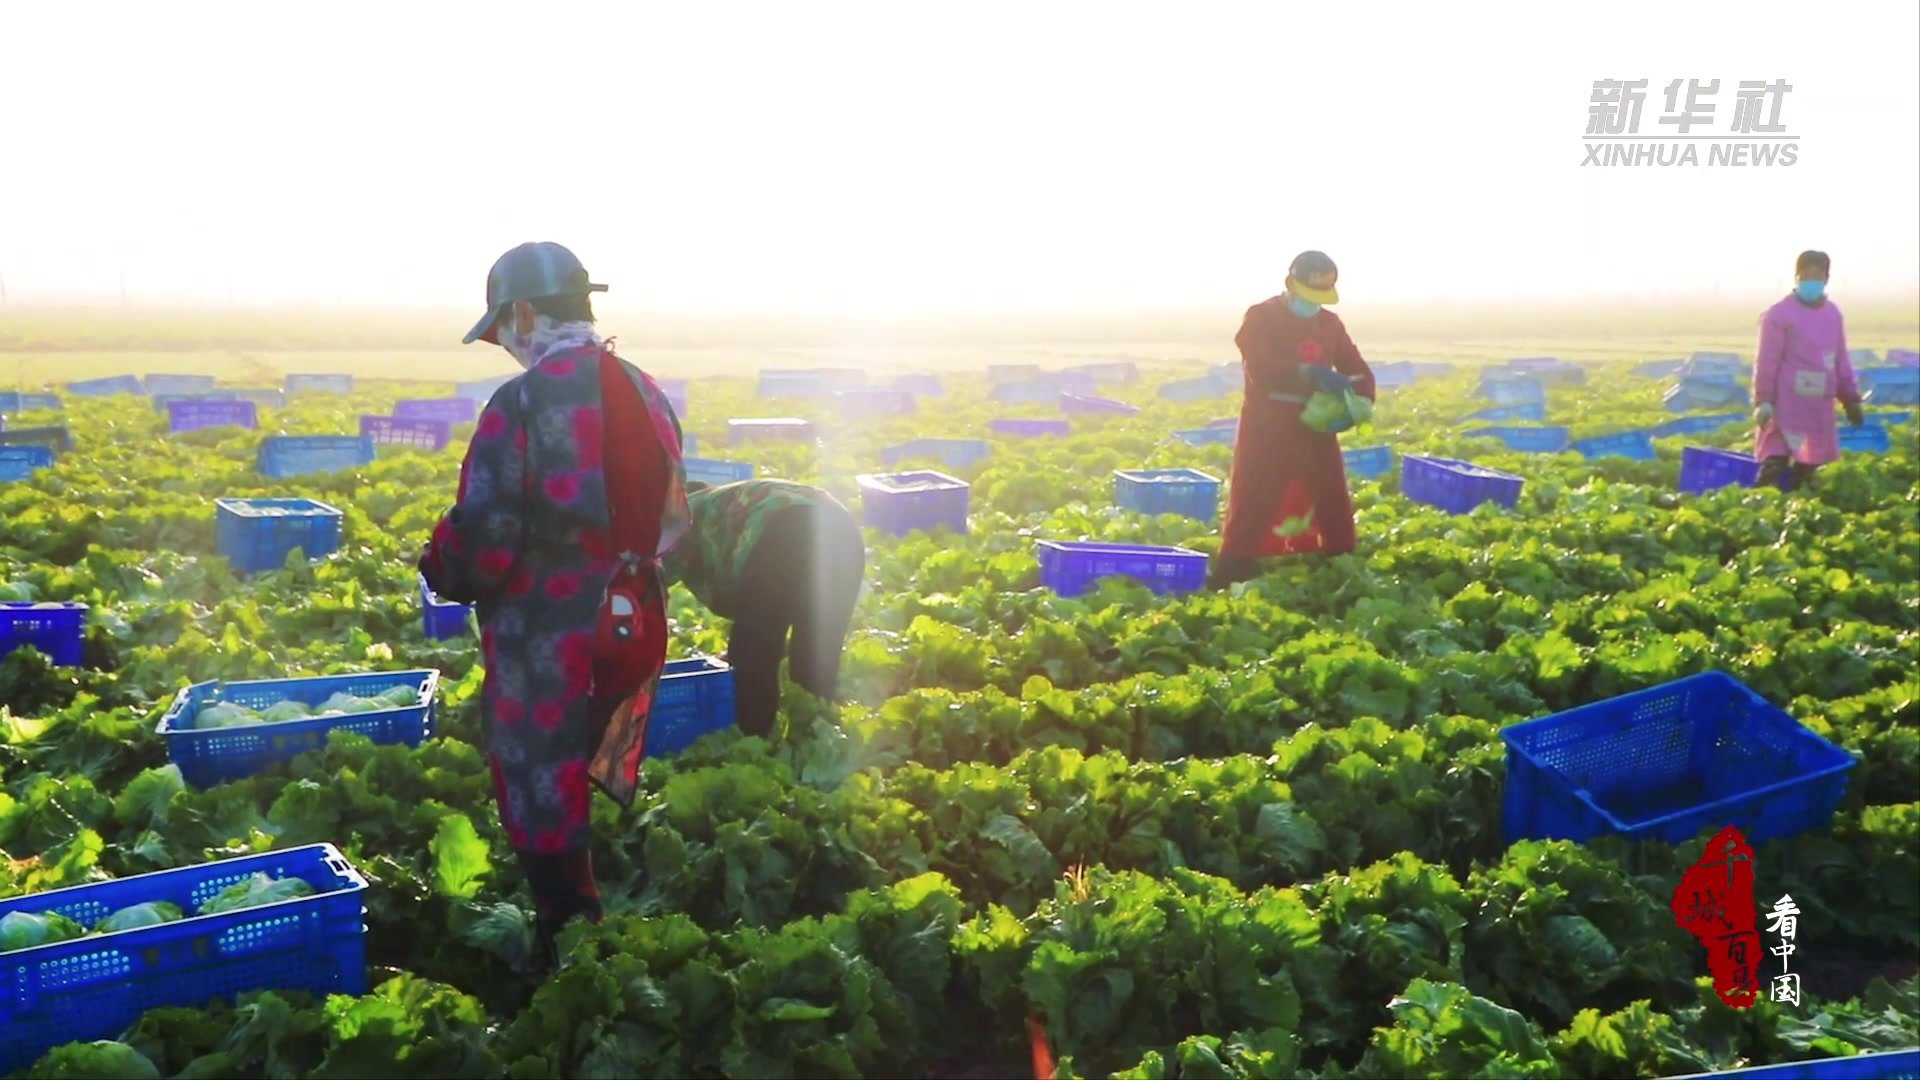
(1854, 415)
(1325, 378)
(1763, 414)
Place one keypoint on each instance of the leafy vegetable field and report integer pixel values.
(1253, 833)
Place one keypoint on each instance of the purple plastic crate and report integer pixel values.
(425, 434)
(1704, 468)
(1456, 486)
(57, 630)
(873, 402)
(1030, 428)
(1903, 358)
(442, 618)
(789, 428)
(454, 410)
(1075, 567)
(319, 384)
(906, 502)
(97, 986)
(1081, 404)
(194, 414)
(920, 385)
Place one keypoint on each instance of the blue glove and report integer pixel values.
(1325, 378)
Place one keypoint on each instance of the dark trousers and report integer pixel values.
(803, 580)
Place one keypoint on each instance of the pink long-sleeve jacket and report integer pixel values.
(1802, 369)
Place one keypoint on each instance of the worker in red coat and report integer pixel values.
(1287, 494)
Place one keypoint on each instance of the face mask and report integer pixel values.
(518, 346)
(1810, 291)
(1302, 308)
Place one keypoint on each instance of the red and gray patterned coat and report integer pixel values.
(528, 543)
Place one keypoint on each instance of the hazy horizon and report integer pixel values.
(860, 161)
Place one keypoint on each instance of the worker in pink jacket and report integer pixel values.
(1798, 374)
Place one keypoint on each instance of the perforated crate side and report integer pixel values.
(58, 631)
(1073, 568)
(1703, 469)
(1186, 492)
(97, 986)
(890, 505)
(696, 698)
(255, 543)
(219, 755)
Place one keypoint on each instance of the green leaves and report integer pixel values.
(459, 858)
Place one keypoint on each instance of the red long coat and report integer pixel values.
(1282, 468)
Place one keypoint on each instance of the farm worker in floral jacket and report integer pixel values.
(1801, 369)
(571, 491)
(1287, 493)
(775, 557)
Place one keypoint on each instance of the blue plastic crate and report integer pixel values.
(1900, 416)
(319, 384)
(1075, 567)
(1195, 389)
(1540, 440)
(454, 410)
(282, 456)
(1533, 411)
(481, 391)
(1698, 425)
(1889, 375)
(1865, 439)
(97, 986)
(1884, 1065)
(791, 384)
(1456, 486)
(1006, 373)
(161, 401)
(1503, 388)
(255, 538)
(56, 437)
(1084, 405)
(116, 384)
(1659, 369)
(953, 453)
(920, 384)
(420, 434)
(713, 472)
(196, 414)
(220, 755)
(871, 402)
(1208, 436)
(1186, 492)
(21, 462)
(1387, 376)
(1030, 428)
(263, 396)
(1894, 394)
(442, 619)
(1668, 762)
(1368, 462)
(1031, 392)
(1432, 369)
(178, 384)
(1703, 469)
(1717, 361)
(906, 502)
(59, 631)
(695, 698)
(15, 401)
(1636, 445)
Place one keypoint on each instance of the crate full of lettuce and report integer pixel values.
(83, 963)
(222, 731)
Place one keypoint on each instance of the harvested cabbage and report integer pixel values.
(400, 696)
(151, 913)
(104, 1059)
(348, 703)
(283, 711)
(254, 892)
(225, 715)
(24, 930)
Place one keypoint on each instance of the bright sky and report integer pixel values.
(891, 158)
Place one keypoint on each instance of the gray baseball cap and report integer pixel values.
(529, 272)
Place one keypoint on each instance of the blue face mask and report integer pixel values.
(1810, 291)
(1303, 308)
